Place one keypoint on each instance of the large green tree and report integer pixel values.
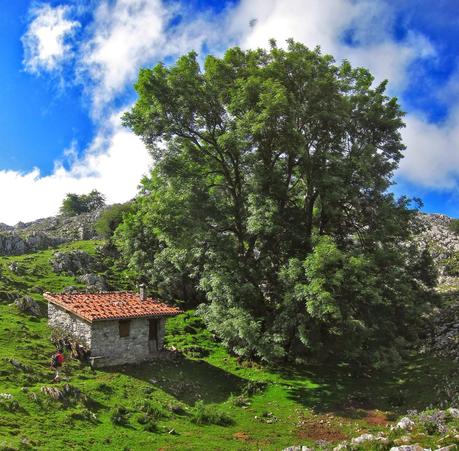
(269, 198)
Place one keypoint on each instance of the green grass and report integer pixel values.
(203, 399)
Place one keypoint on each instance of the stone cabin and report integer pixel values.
(118, 327)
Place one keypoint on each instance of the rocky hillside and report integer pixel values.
(47, 232)
(443, 245)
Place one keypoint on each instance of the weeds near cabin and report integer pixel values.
(204, 415)
(120, 416)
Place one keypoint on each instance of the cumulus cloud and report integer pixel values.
(432, 155)
(113, 164)
(360, 31)
(46, 42)
(123, 36)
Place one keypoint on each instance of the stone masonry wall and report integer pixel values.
(111, 349)
(72, 324)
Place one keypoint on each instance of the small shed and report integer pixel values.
(118, 327)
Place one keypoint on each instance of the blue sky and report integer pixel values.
(67, 69)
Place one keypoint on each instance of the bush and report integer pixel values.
(176, 409)
(152, 411)
(120, 416)
(452, 265)
(253, 387)
(110, 219)
(105, 389)
(203, 414)
(240, 401)
(454, 226)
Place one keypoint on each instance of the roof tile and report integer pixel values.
(111, 305)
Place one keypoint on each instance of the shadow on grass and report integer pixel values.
(187, 380)
(417, 384)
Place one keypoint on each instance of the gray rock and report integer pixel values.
(453, 412)
(409, 448)
(363, 438)
(27, 305)
(74, 262)
(405, 423)
(94, 282)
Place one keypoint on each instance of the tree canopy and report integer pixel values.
(75, 204)
(269, 202)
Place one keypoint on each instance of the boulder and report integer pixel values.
(409, 448)
(94, 282)
(405, 423)
(74, 263)
(27, 305)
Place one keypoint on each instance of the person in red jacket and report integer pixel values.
(57, 361)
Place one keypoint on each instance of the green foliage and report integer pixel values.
(451, 264)
(269, 203)
(75, 204)
(120, 416)
(204, 414)
(454, 226)
(110, 219)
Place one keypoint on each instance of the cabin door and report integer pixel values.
(153, 335)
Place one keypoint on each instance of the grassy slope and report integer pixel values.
(270, 409)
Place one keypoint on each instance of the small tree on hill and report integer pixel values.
(75, 204)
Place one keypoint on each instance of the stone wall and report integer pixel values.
(111, 349)
(72, 324)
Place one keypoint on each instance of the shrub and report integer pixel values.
(454, 226)
(148, 422)
(240, 401)
(203, 414)
(110, 219)
(176, 409)
(84, 415)
(433, 422)
(104, 388)
(253, 387)
(152, 411)
(452, 265)
(120, 416)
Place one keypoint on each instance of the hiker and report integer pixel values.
(56, 362)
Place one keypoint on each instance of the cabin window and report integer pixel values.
(124, 327)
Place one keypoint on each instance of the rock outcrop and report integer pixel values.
(442, 242)
(73, 263)
(47, 232)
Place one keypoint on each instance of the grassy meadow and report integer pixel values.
(197, 398)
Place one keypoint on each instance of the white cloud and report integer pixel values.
(113, 164)
(315, 22)
(46, 43)
(124, 35)
(432, 155)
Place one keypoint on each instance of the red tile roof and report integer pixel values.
(110, 305)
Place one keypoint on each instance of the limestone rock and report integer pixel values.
(74, 263)
(409, 448)
(405, 423)
(27, 305)
(94, 282)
